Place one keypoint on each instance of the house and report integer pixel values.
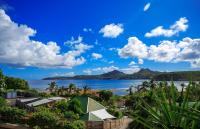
(93, 111)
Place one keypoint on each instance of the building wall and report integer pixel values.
(109, 124)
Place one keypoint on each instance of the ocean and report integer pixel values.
(118, 86)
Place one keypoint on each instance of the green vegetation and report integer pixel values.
(12, 83)
(44, 119)
(161, 106)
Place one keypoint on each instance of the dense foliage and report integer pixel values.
(12, 115)
(163, 107)
(44, 119)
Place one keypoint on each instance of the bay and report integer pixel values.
(119, 87)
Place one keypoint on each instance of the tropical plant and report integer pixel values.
(75, 106)
(130, 90)
(52, 86)
(71, 87)
(86, 88)
(105, 95)
(167, 113)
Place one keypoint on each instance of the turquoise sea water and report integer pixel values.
(119, 86)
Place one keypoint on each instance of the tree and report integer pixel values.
(52, 86)
(16, 83)
(2, 82)
(85, 89)
(130, 90)
(105, 95)
(71, 86)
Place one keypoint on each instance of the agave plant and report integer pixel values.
(167, 113)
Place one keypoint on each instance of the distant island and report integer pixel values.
(142, 74)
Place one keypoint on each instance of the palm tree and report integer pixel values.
(86, 88)
(130, 90)
(71, 86)
(52, 86)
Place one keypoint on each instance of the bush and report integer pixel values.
(75, 125)
(75, 106)
(2, 102)
(116, 113)
(71, 115)
(62, 106)
(44, 119)
(12, 115)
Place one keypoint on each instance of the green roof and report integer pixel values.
(90, 117)
(88, 104)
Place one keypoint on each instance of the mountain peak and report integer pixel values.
(114, 72)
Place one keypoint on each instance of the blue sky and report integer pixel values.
(69, 37)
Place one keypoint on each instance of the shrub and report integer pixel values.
(71, 115)
(12, 115)
(44, 119)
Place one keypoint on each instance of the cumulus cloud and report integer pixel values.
(18, 49)
(134, 48)
(112, 30)
(69, 74)
(129, 70)
(132, 63)
(166, 51)
(147, 6)
(186, 50)
(96, 56)
(87, 71)
(179, 26)
(140, 61)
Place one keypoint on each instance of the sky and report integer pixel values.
(71, 37)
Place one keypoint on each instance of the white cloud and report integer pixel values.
(87, 71)
(186, 50)
(96, 56)
(112, 49)
(130, 70)
(69, 74)
(140, 61)
(134, 48)
(179, 26)
(147, 6)
(87, 29)
(132, 63)
(112, 30)
(73, 41)
(100, 70)
(18, 49)
(166, 51)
